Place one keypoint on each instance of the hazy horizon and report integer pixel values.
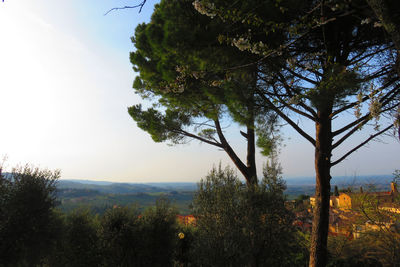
(290, 178)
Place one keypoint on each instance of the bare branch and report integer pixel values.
(365, 98)
(308, 116)
(289, 90)
(361, 123)
(384, 101)
(360, 145)
(361, 56)
(299, 76)
(344, 108)
(140, 6)
(182, 132)
(352, 124)
(288, 120)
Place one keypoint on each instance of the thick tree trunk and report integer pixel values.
(320, 225)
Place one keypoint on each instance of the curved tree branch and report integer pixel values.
(182, 132)
(287, 119)
(140, 6)
(361, 144)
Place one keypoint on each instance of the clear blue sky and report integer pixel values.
(66, 83)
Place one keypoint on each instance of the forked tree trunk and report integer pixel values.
(249, 171)
(320, 224)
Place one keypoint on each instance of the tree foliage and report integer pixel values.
(28, 225)
(196, 85)
(128, 239)
(79, 243)
(240, 225)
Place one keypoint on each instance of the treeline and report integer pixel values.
(98, 202)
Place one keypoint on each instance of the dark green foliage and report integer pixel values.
(184, 253)
(79, 245)
(28, 225)
(243, 226)
(99, 203)
(120, 237)
(128, 239)
(159, 235)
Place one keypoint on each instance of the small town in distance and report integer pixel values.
(348, 208)
(347, 212)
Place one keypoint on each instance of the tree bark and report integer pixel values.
(320, 225)
(251, 155)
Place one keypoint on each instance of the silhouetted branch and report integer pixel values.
(287, 119)
(140, 6)
(362, 144)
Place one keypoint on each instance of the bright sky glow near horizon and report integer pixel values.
(66, 83)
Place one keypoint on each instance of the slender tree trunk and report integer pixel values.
(251, 154)
(251, 143)
(320, 225)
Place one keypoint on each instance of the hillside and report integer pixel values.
(100, 195)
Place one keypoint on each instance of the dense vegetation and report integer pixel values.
(36, 233)
(97, 202)
(236, 225)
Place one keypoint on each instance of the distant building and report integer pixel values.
(349, 200)
(343, 211)
(333, 202)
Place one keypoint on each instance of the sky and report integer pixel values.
(66, 84)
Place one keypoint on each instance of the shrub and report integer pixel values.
(28, 224)
(239, 225)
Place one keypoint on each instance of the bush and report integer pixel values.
(160, 235)
(28, 224)
(120, 237)
(239, 225)
(79, 243)
(128, 239)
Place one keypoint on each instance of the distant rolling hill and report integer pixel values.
(100, 195)
(110, 188)
(125, 188)
(343, 180)
(306, 185)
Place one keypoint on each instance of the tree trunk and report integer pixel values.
(249, 171)
(251, 155)
(320, 224)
